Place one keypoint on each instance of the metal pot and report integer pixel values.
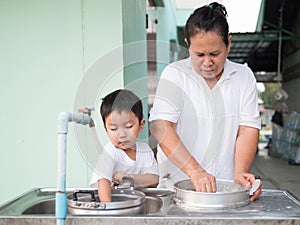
(228, 195)
(124, 202)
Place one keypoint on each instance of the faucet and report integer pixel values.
(62, 130)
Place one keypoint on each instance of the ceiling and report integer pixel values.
(260, 49)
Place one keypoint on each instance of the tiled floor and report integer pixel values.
(277, 173)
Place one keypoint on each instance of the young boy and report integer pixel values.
(123, 156)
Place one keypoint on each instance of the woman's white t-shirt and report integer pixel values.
(207, 119)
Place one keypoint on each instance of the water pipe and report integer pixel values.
(62, 129)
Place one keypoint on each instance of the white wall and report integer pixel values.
(290, 68)
(292, 88)
(46, 48)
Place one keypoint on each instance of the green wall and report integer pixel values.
(165, 31)
(135, 53)
(47, 49)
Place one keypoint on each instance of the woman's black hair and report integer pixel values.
(210, 17)
(121, 100)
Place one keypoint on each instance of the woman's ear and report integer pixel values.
(142, 124)
(229, 43)
(187, 43)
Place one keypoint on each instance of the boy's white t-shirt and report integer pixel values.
(113, 159)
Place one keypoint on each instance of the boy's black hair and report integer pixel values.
(121, 100)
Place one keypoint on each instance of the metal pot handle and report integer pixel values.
(167, 182)
(130, 180)
(93, 197)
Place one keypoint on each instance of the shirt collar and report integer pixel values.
(229, 70)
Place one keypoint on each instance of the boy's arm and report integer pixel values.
(104, 190)
(145, 180)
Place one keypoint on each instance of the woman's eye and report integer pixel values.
(215, 53)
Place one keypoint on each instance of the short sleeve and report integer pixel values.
(168, 99)
(250, 111)
(104, 168)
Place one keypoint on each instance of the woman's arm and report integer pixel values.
(166, 136)
(245, 151)
(246, 146)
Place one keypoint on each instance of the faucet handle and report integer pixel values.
(88, 111)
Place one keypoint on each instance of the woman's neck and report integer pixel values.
(212, 82)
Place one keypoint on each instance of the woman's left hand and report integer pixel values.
(247, 180)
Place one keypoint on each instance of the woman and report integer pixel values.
(205, 115)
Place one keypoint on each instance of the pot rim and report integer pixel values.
(138, 198)
(243, 189)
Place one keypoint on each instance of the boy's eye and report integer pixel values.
(129, 126)
(113, 128)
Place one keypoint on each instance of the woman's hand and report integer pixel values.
(247, 180)
(203, 181)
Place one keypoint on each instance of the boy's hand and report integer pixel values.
(118, 176)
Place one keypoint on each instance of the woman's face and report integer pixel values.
(123, 129)
(208, 53)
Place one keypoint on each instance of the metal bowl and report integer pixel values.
(228, 195)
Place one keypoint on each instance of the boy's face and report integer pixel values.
(123, 129)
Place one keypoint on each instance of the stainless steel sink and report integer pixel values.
(42, 202)
(42, 207)
(151, 205)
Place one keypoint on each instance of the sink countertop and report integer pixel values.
(273, 207)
